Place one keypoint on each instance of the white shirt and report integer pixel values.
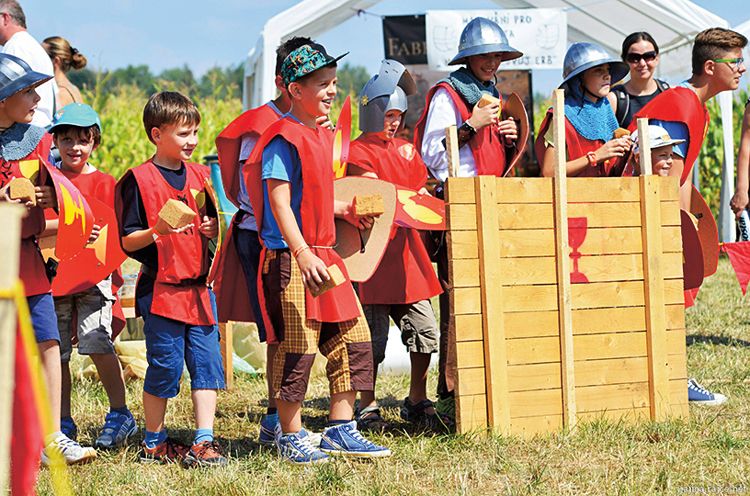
(25, 47)
(441, 114)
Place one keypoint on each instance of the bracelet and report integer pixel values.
(591, 156)
(299, 250)
(154, 234)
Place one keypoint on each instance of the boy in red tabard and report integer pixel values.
(178, 308)
(240, 253)
(404, 281)
(289, 178)
(24, 151)
(77, 133)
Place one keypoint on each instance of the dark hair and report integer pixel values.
(288, 47)
(89, 133)
(712, 44)
(169, 107)
(634, 38)
(14, 10)
(70, 58)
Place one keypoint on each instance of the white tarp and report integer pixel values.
(541, 34)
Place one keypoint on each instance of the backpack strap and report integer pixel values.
(663, 85)
(623, 103)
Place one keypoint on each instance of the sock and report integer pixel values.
(203, 435)
(271, 410)
(154, 438)
(122, 411)
(334, 423)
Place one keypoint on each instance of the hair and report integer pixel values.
(70, 58)
(169, 107)
(288, 47)
(712, 44)
(14, 10)
(634, 38)
(90, 132)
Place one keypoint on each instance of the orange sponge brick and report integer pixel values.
(20, 188)
(369, 205)
(176, 214)
(336, 278)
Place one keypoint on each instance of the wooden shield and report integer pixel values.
(363, 250)
(514, 108)
(423, 212)
(692, 255)
(707, 232)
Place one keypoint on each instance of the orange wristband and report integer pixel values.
(591, 156)
(299, 250)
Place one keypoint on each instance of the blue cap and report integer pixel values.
(16, 75)
(76, 114)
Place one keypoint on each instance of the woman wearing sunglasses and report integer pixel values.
(641, 53)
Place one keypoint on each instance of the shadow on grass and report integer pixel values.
(717, 340)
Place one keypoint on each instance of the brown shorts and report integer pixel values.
(346, 345)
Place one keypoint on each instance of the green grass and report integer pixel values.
(708, 452)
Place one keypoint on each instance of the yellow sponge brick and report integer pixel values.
(336, 278)
(488, 99)
(22, 189)
(369, 205)
(176, 214)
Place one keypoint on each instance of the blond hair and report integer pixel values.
(70, 58)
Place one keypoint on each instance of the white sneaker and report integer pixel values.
(73, 452)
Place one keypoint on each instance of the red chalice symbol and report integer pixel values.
(577, 227)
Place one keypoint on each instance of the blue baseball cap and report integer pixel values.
(16, 75)
(76, 114)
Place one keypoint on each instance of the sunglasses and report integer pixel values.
(634, 58)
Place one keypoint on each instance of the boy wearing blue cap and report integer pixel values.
(24, 150)
(77, 133)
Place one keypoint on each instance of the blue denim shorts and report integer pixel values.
(43, 317)
(171, 344)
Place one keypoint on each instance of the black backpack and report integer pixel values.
(623, 98)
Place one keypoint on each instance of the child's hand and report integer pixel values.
(362, 223)
(613, 148)
(484, 116)
(739, 201)
(324, 121)
(508, 131)
(209, 227)
(5, 196)
(46, 197)
(314, 271)
(95, 231)
(423, 191)
(162, 228)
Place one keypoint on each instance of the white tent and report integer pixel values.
(673, 23)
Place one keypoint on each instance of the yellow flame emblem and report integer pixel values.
(416, 211)
(339, 168)
(73, 210)
(29, 169)
(199, 196)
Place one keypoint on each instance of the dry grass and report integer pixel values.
(710, 452)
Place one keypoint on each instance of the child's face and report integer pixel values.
(20, 107)
(597, 80)
(176, 141)
(661, 160)
(726, 75)
(75, 148)
(315, 93)
(391, 123)
(485, 66)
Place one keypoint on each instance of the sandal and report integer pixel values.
(370, 420)
(417, 415)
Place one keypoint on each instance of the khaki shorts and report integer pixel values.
(90, 311)
(419, 329)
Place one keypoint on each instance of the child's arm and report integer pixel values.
(345, 211)
(740, 199)
(141, 239)
(355, 170)
(611, 149)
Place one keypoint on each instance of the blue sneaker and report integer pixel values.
(699, 395)
(345, 439)
(116, 430)
(267, 430)
(69, 428)
(297, 449)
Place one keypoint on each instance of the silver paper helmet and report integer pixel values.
(386, 91)
(481, 36)
(582, 56)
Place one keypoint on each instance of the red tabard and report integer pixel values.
(679, 105)
(227, 276)
(576, 146)
(183, 258)
(31, 270)
(315, 149)
(97, 184)
(486, 146)
(405, 274)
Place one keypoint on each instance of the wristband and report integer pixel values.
(299, 250)
(468, 128)
(154, 234)
(591, 156)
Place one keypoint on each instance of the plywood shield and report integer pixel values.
(692, 254)
(362, 250)
(707, 232)
(514, 108)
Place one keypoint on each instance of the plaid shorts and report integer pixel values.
(346, 345)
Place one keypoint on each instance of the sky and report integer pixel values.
(170, 33)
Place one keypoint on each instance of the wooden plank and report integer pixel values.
(675, 341)
(533, 350)
(460, 190)
(460, 217)
(471, 413)
(491, 277)
(529, 427)
(532, 403)
(465, 273)
(468, 327)
(613, 189)
(465, 301)
(677, 366)
(462, 245)
(525, 243)
(562, 252)
(611, 345)
(10, 247)
(530, 298)
(451, 147)
(524, 190)
(677, 391)
(227, 336)
(470, 381)
(469, 354)
(675, 316)
(673, 292)
(597, 320)
(531, 324)
(611, 371)
(525, 216)
(612, 397)
(534, 376)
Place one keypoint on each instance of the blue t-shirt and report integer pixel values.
(281, 162)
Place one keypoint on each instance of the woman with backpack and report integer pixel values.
(641, 53)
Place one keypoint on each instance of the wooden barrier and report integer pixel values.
(565, 310)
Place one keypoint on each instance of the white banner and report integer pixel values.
(541, 34)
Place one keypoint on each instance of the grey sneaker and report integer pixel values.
(72, 452)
